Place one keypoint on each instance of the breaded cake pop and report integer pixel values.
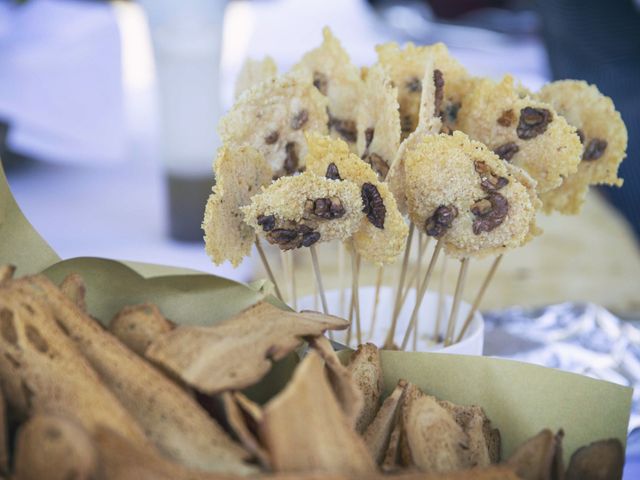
(333, 74)
(302, 210)
(383, 232)
(460, 191)
(378, 121)
(521, 130)
(273, 116)
(407, 66)
(240, 173)
(603, 136)
(254, 72)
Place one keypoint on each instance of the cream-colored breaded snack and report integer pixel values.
(383, 232)
(333, 74)
(273, 116)
(603, 136)
(254, 72)
(299, 211)
(460, 191)
(378, 121)
(429, 123)
(240, 172)
(407, 66)
(521, 130)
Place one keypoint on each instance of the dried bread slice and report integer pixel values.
(299, 211)
(603, 136)
(42, 370)
(366, 371)
(377, 436)
(254, 72)
(170, 417)
(540, 457)
(333, 74)
(306, 418)
(273, 116)
(521, 130)
(73, 287)
(240, 173)
(382, 233)
(138, 325)
(237, 352)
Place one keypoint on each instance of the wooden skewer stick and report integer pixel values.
(284, 262)
(265, 263)
(388, 343)
(479, 296)
(316, 271)
(376, 301)
(341, 276)
(355, 263)
(423, 241)
(457, 297)
(292, 276)
(440, 311)
(420, 294)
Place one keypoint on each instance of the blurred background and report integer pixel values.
(108, 114)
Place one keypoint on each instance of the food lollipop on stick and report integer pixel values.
(273, 117)
(521, 130)
(299, 211)
(474, 204)
(333, 74)
(254, 72)
(407, 69)
(378, 121)
(603, 136)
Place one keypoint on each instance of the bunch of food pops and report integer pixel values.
(329, 151)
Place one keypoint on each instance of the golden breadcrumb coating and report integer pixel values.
(524, 131)
(331, 71)
(240, 172)
(273, 116)
(407, 66)
(489, 209)
(254, 72)
(374, 244)
(596, 118)
(288, 204)
(378, 121)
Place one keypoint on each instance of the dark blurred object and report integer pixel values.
(187, 198)
(599, 41)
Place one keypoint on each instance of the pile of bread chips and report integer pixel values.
(80, 401)
(330, 151)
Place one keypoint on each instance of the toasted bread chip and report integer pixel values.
(436, 442)
(238, 352)
(603, 136)
(539, 458)
(366, 370)
(254, 72)
(55, 448)
(378, 433)
(382, 233)
(391, 461)
(461, 192)
(170, 417)
(524, 131)
(73, 287)
(240, 172)
(602, 460)
(407, 68)
(43, 371)
(138, 325)
(307, 419)
(428, 124)
(333, 74)
(6, 272)
(344, 387)
(4, 437)
(299, 211)
(378, 122)
(273, 116)
(484, 441)
(238, 423)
